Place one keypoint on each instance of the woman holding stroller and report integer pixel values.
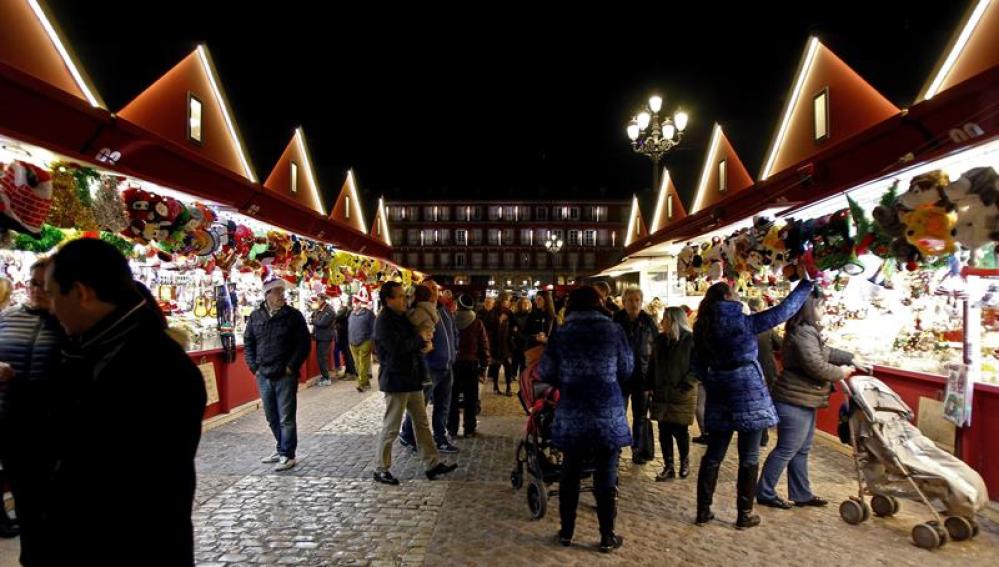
(587, 360)
(810, 370)
(725, 359)
(674, 390)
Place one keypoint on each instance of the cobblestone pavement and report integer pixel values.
(327, 510)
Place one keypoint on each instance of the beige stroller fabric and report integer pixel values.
(937, 473)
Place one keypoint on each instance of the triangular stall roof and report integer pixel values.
(347, 208)
(294, 177)
(669, 207)
(722, 175)
(827, 103)
(380, 226)
(973, 49)
(636, 226)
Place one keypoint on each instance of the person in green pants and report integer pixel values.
(360, 332)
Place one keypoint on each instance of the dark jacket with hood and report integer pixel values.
(323, 324)
(399, 347)
(671, 380)
(498, 331)
(737, 391)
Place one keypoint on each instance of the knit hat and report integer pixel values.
(466, 302)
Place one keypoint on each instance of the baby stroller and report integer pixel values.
(535, 452)
(894, 459)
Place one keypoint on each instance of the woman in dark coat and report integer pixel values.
(725, 359)
(810, 370)
(587, 360)
(674, 394)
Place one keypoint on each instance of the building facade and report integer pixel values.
(502, 243)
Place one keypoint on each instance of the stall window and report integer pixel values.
(820, 107)
(669, 207)
(194, 131)
(294, 177)
(346, 201)
(722, 176)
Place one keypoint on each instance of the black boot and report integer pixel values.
(8, 528)
(746, 490)
(684, 468)
(707, 478)
(668, 472)
(606, 514)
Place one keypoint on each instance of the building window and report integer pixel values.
(541, 213)
(476, 260)
(444, 213)
(459, 259)
(445, 259)
(428, 260)
(574, 213)
(573, 261)
(556, 260)
(495, 213)
(589, 259)
(509, 213)
(476, 213)
(722, 176)
(527, 237)
(493, 259)
(541, 260)
(494, 237)
(397, 213)
(346, 200)
(477, 237)
(414, 213)
(509, 260)
(605, 237)
(413, 259)
(294, 177)
(194, 130)
(461, 237)
(397, 257)
(445, 236)
(507, 236)
(669, 207)
(397, 237)
(589, 237)
(413, 236)
(525, 261)
(573, 238)
(820, 107)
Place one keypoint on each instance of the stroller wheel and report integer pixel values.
(854, 511)
(884, 506)
(517, 477)
(959, 528)
(929, 535)
(537, 499)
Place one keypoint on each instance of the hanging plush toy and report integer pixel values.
(145, 223)
(925, 190)
(715, 260)
(684, 262)
(931, 230)
(975, 196)
(25, 197)
(833, 245)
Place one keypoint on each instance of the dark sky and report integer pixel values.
(501, 101)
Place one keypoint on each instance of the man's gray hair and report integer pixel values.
(632, 290)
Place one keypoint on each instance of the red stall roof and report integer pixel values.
(347, 209)
(636, 226)
(669, 207)
(380, 227)
(294, 177)
(723, 173)
(973, 49)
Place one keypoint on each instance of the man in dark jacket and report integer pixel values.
(473, 354)
(440, 364)
(30, 343)
(341, 348)
(323, 319)
(400, 377)
(603, 288)
(123, 381)
(641, 331)
(497, 319)
(277, 344)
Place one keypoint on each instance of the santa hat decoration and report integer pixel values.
(274, 283)
(25, 197)
(363, 297)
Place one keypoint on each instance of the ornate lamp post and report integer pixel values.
(654, 135)
(553, 244)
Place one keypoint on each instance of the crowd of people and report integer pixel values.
(90, 341)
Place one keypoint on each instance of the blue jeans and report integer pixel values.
(794, 441)
(440, 392)
(749, 447)
(280, 400)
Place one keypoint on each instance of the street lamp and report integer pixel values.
(654, 135)
(553, 244)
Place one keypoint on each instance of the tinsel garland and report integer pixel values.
(108, 207)
(123, 245)
(68, 211)
(46, 241)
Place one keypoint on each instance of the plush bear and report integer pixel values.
(979, 185)
(714, 260)
(974, 195)
(685, 262)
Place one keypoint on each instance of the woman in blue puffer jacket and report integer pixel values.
(589, 360)
(725, 359)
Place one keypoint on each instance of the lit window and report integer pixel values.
(294, 177)
(722, 176)
(820, 106)
(194, 131)
(669, 207)
(347, 201)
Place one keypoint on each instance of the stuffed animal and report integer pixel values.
(25, 197)
(978, 185)
(931, 230)
(974, 196)
(714, 260)
(685, 262)
(924, 190)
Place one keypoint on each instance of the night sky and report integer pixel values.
(501, 101)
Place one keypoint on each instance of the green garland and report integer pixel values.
(123, 245)
(85, 178)
(49, 238)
